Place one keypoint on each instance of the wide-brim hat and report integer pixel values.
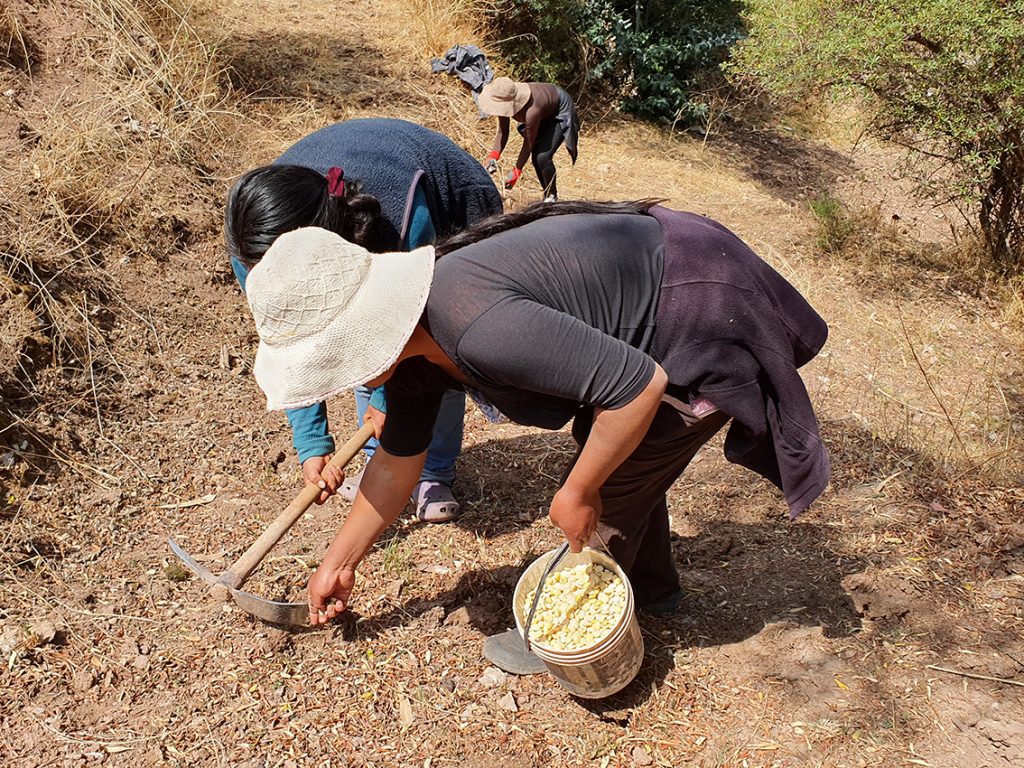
(503, 97)
(330, 314)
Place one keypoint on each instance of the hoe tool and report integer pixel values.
(228, 585)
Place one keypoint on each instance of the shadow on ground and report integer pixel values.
(335, 71)
(739, 572)
(736, 578)
(791, 168)
(505, 485)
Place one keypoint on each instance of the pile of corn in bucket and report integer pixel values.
(578, 607)
(585, 628)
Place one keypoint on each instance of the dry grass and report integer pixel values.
(17, 327)
(16, 47)
(922, 367)
(102, 163)
(87, 169)
(439, 24)
(320, 90)
(908, 390)
(164, 65)
(441, 102)
(1013, 303)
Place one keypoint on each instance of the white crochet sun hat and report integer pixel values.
(330, 314)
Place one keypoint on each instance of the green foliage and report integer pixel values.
(834, 223)
(542, 38)
(652, 54)
(943, 78)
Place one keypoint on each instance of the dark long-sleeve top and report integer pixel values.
(572, 312)
(542, 106)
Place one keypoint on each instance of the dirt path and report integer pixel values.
(801, 644)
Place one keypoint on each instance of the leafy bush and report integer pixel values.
(652, 54)
(834, 222)
(943, 78)
(543, 40)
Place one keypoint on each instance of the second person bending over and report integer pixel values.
(546, 116)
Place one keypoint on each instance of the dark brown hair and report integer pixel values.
(267, 202)
(502, 222)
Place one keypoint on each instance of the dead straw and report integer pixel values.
(975, 676)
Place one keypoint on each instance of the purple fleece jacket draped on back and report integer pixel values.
(747, 331)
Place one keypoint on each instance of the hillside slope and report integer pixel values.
(807, 643)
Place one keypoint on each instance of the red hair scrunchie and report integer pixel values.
(335, 182)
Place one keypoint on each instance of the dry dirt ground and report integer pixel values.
(883, 628)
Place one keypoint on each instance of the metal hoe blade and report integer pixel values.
(270, 611)
(229, 583)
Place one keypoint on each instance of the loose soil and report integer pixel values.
(883, 628)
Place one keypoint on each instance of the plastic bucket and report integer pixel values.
(601, 669)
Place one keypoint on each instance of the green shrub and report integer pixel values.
(942, 78)
(652, 55)
(834, 223)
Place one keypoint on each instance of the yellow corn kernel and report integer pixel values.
(579, 606)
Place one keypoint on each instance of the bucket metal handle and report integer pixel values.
(547, 572)
(604, 546)
(540, 585)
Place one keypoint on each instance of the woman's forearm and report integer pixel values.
(501, 137)
(529, 137)
(383, 493)
(615, 434)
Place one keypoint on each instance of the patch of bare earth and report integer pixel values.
(883, 628)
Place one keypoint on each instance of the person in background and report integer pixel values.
(649, 329)
(546, 116)
(387, 185)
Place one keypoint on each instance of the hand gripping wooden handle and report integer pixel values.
(234, 576)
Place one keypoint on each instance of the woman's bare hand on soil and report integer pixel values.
(328, 593)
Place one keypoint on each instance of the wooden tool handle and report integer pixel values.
(234, 576)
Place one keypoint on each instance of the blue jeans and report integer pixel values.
(447, 441)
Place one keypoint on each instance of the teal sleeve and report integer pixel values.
(377, 400)
(241, 272)
(421, 226)
(309, 431)
(310, 435)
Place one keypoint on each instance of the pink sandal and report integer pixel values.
(434, 502)
(350, 485)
